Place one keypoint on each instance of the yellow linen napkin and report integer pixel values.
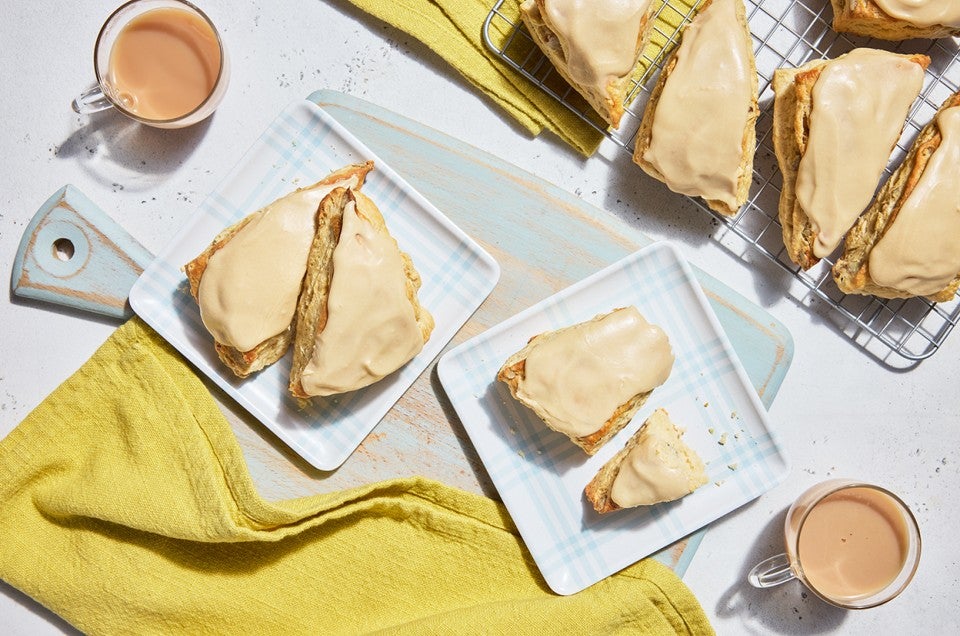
(453, 29)
(126, 507)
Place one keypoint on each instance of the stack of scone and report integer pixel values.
(835, 125)
(587, 381)
(908, 242)
(317, 269)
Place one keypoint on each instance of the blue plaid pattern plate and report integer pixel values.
(301, 146)
(540, 474)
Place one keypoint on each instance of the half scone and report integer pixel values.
(653, 467)
(698, 132)
(247, 281)
(897, 19)
(908, 243)
(588, 380)
(835, 125)
(358, 318)
(594, 46)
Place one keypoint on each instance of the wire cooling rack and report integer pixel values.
(785, 33)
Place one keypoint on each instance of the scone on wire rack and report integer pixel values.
(835, 125)
(594, 46)
(698, 131)
(588, 380)
(908, 242)
(897, 19)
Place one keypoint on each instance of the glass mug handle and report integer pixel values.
(771, 572)
(91, 100)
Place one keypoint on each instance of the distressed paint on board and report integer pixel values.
(544, 239)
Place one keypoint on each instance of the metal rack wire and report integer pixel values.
(785, 33)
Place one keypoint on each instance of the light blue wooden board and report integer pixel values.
(73, 254)
(544, 239)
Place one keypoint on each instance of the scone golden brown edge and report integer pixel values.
(851, 271)
(243, 363)
(610, 105)
(793, 89)
(599, 491)
(312, 310)
(748, 144)
(513, 371)
(865, 17)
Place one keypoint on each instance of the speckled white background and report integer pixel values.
(839, 412)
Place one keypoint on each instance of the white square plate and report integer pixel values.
(302, 146)
(540, 474)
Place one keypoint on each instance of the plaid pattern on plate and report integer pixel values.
(302, 146)
(540, 474)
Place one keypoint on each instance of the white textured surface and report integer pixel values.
(839, 412)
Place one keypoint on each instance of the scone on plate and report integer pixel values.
(247, 281)
(698, 132)
(589, 379)
(908, 242)
(835, 125)
(897, 19)
(653, 467)
(594, 46)
(358, 318)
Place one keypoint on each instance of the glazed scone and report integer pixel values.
(589, 379)
(653, 467)
(698, 132)
(594, 45)
(247, 281)
(908, 243)
(358, 318)
(835, 125)
(897, 19)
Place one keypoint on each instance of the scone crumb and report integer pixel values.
(723, 440)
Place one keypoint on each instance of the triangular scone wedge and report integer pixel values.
(866, 17)
(358, 319)
(835, 123)
(698, 132)
(653, 467)
(908, 242)
(588, 380)
(594, 46)
(247, 281)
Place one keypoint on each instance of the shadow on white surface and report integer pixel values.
(39, 621)
(786, 609)
(105, 141)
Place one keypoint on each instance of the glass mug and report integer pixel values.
(854, 545)
(160, 62)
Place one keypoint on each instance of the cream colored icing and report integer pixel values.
(599, 38)
(371, 328)
(576, 378)
(923, 13)
(660, 467)
(860, 103)
(698, 126)
(249, 290)
(920, 251)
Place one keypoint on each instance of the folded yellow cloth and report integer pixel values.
(453, 29)
(126, 507)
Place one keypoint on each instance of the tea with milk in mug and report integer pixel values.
(164, 63)
(853, 543)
